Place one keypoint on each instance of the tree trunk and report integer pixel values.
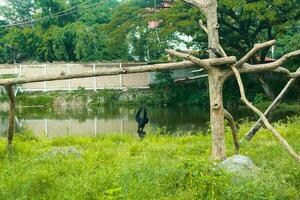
(11, 114)
(212, 27)
(215, 86)
(217, 116)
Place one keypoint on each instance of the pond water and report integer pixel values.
(87, 122)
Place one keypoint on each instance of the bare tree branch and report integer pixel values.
(107, 72)
(234, 130)
(295, 75)
(247, 68)
(194, 78)
(201, 4)
(287, 72)
(191, 52)
(291, 151)
(255, 49)
(197, 71)
(206, 63)
(188, 57)
(201, 24)
(276, 102)
(282, 70)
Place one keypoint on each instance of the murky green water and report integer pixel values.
(87, 122)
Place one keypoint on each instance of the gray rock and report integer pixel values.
(65, 151)
(238, 163)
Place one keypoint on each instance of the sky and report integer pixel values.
(2, 2)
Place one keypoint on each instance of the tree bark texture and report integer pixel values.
(217, 116)
(11, 114)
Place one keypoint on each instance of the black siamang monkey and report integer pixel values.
(142, 121)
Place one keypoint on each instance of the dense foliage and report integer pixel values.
(110, 30)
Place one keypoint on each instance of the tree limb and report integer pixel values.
(191, 52)
(197, 71)
(201, 4)
(267, 113)
(290, 150)
(255, 49)
(247, 68)
(206, 63)
(107, 72)
(295, 75)
(194, 78)
(284, 71)
(201, 24)
(234, 130)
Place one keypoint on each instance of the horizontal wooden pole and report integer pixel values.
(107, 72)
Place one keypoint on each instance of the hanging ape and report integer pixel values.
(142, 121)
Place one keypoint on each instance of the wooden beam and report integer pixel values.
(107, 72)
(250, 134)
(264, 119)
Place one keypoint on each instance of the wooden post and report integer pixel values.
(11, 114)
(215, 85)
(20, 71)
(46, 127)
(95, 79)
(70, 127)
(45, 73)
(121, 77)
(69, 81)
(95, 126)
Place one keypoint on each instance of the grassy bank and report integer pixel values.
(159, 167)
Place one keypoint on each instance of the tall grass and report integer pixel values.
(159, 167)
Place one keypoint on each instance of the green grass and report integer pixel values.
(159, 167)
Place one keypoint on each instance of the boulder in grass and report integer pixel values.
(65, 151)
(238, 163)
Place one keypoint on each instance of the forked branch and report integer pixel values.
(201, 4)
(205, 63)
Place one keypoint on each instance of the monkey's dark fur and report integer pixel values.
(142, 121)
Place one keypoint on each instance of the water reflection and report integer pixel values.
(87, 122)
